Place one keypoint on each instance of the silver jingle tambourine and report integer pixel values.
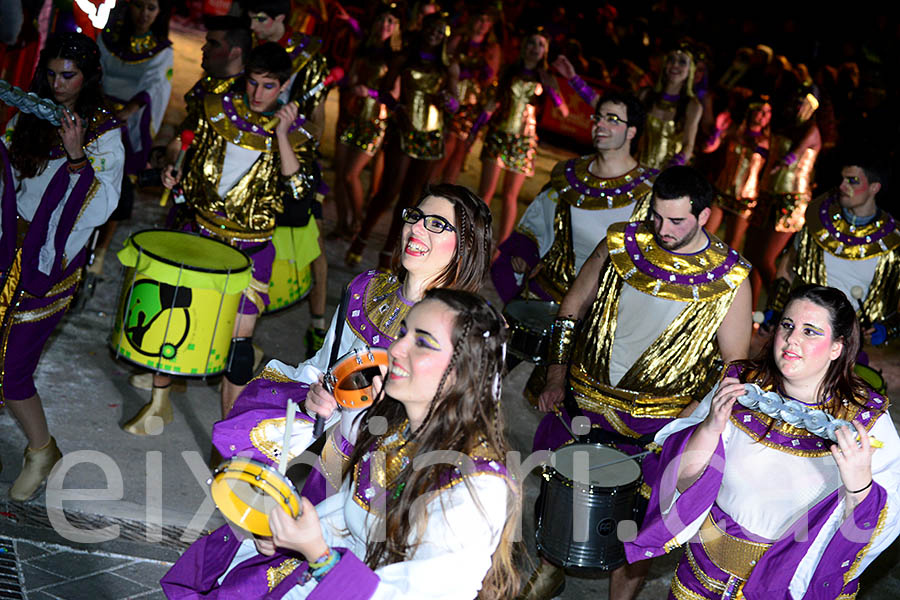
(29, 102)
(792, 412)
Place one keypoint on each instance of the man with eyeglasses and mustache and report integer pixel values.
(564, 223)
(637, 337)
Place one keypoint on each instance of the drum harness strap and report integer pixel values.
(597, 435)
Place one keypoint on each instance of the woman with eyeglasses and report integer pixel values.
(414, 142)
(445, 243)
(402, 528)
(673, 113)
(510, 143)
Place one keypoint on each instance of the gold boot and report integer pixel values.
(545, 583)
(35, 468)
(153, 416)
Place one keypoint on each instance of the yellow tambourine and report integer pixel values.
(246, 491)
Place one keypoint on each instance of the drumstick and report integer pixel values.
(335, 74)
(286, 441)
(562, 420)
(621, 460)
(187, 136)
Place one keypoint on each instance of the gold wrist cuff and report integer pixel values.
(562, 338)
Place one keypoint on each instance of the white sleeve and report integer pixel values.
(107, 156)
(308, 371)
(538, 220)
(158, 84)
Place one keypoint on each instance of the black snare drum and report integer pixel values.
(529, 328)
(582, 506)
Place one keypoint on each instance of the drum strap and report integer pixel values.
(338, 332)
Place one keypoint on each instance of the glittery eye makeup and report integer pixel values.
(427, 340)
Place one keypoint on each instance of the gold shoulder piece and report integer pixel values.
(839, 238)
(577, 186)
(651, 269)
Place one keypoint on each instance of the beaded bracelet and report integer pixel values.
(318, 569)
(562, 338)
(555, 97)
(582, 89)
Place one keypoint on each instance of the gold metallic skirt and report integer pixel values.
(510, 152)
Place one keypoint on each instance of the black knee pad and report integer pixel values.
(240, 361)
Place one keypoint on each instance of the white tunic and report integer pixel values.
(124, 80)
(640, 319)
(588, 226)
(107, 156)
(765, 490)
(844, 274)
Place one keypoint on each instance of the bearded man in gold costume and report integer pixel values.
(638, 334)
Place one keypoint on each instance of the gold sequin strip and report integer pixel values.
(275, 575)
(562, 338)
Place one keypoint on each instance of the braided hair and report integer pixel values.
(464, 415)
(471, 261)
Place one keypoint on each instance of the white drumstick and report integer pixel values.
(286, 441)
(857, 292)
(758, 317)
(621, 460)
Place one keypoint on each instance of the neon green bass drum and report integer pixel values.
(178, 302)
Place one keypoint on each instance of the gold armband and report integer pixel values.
(562, 338)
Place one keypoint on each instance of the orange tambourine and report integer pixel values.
(350, 379)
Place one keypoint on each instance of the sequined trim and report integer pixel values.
(713, 585)
(222, 229)
(378, 310)
(39, 314)
(270, 374)
(841, 239)
(649, 268)
(272, 450)
(731, 554)
(275, 575)
(681, 592)
(231, 118)
(577, 186)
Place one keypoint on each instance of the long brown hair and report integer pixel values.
(471, 261)
(32, 138)
(840, 383)
(464, 414)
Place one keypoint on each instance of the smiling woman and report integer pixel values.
(426, 509)
(762, 480)
(445, 243)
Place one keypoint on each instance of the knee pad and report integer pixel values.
(240, 361)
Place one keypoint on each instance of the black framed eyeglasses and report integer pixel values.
(433, 223)
(611, 118)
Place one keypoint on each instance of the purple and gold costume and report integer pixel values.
(689, 295)
(449, 560)
(766, 517)
(420, 123)
(366, 118)
(45, 223)
(786, 192)
(475, 75)
(255, 425)
(737, 186)
(234, 184)
(139, 70)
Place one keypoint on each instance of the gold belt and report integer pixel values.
(222, 232)
(731, 554)
(596, 397)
